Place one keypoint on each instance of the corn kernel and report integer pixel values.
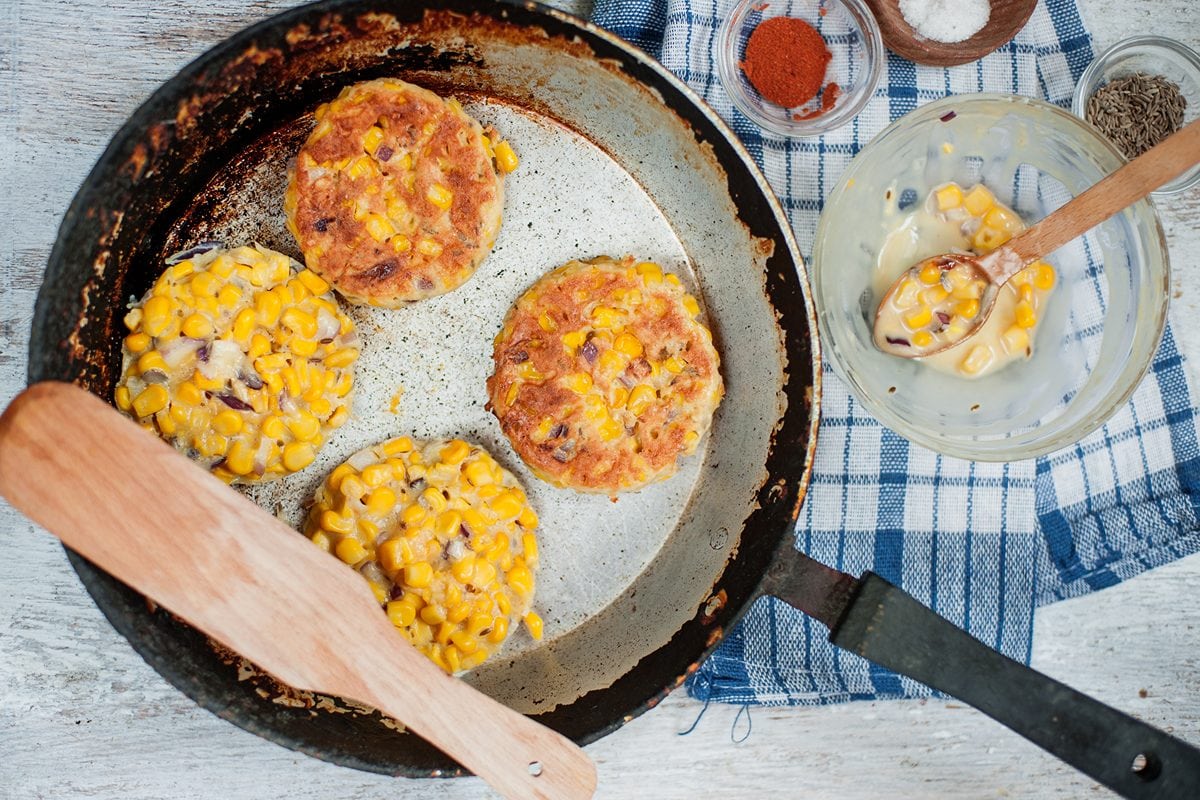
(300, 322)
(674, 365)
(156, 315)
(979, 357)
(197, 326)
(967, 308)
(528, 518)
(268, 306)
(123, 399)
(1016, 339)
(640, 398)
(629, 345)
(372, 139)
(412, 515)
(535, 625)
(478, 473)
(606, 317)
(137, 342)
(934, 295)
(949, 197)
(978, 200)
(151, 400)
(1044, 277)
(579, 382)
(350, 550)
(133, 319)
(440, 196)
(484, 573)
(341, 358)
(381, 501)
(228, 423)
(448, 523)
(506, 159)
(297, 456)
(989, 238)
(455, 452)
(919, 318)
(429, 247)
(401, 614)
(922, 339)
(1002, 219)
(690, 305)
(303, 425)
(574, 340)
(1025, 316)
(930, 274)
(418, 575)
(334, 522)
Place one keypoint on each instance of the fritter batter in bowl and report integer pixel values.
(241, 359)
(397, 195)
(604, 375)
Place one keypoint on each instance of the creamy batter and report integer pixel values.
(953, 221)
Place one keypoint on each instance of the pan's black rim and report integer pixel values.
(788, 464)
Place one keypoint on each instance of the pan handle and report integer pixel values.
(889, 627)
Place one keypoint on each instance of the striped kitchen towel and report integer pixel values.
(983, 544)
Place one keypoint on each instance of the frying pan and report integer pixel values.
(617, 156)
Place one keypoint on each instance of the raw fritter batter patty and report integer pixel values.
(604, 375)
(396, 196)
(241, 359)
(444, 536)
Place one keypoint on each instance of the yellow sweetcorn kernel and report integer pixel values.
(499, 629)
(619, 397)
(546, 324)
(418, 575)
(579, 382)
(372, 139)
(341, 358)
(401, 614)
(434, 500)
(506, 159)
(429, 247)
(156, 315)
(197, 326)
(375, 475)
(391, 555)
(691, 305)
(229, 296)
(922, 339)
(967, 308)
(521, 580)
(611, 362)
(1016, 339)
(303, 425)
(934, 295)
(989, 238)
(122, 398)
(978, 200)
(381, 501)
(506, 505)
(640, 398)
(350, 550)
(606, 317)
(919, 318)
(979, 357)
(1044, 277)
(528, 519)
(379, 227)
(455, 452)
(651, 273)
(151, 400)
(535, 625)
(413, 514)
(137, 342)
(299, 322)
(672, 278)
(930, 274)
(1025, 316)
(1026, 292)
(948, 197)
(268, 307)
(298, 455)
(397, 446)
(629, 345)
(574, 340)
(440, 196)
(228, 423)
(529, 549)
(448, 523)
(151, 360)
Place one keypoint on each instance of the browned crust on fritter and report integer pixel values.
(337, 245)
(574, 455)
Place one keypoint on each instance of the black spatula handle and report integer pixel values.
(892, 629)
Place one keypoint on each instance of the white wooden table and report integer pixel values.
(82, 716)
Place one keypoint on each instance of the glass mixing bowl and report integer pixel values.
(1098, 331)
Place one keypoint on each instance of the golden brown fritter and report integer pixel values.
(395, 197)
(604, 375)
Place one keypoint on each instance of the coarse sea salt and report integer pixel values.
(946, 20)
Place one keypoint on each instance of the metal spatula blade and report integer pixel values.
(69, 462)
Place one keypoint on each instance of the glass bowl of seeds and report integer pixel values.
(1138, 92)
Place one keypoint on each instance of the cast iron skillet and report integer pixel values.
(244, 104)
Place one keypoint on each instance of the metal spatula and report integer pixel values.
(231, 569)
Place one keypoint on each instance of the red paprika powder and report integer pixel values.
(786, 60)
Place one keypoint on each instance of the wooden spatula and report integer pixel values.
(230, 569)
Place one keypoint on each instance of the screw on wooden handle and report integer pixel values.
(1159, 165)
(128, 502)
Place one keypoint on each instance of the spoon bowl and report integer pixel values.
(913, 322)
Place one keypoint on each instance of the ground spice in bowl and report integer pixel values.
(785, 62)
(1137, 111)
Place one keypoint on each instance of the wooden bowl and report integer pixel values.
(1006, 20)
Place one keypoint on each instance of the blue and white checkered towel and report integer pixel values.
(983, 544)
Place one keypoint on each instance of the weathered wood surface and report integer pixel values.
(82, 716)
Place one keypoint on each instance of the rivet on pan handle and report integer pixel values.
(231, 569)
(878, 621)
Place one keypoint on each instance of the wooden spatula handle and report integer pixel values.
(131, 504)
(1160, 164)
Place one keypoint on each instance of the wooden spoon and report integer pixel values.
(71, 463)
(1160, 164)
(1006, 20)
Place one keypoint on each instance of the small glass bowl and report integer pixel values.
(1152, 55)
(1096, 334)
(853, 39)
